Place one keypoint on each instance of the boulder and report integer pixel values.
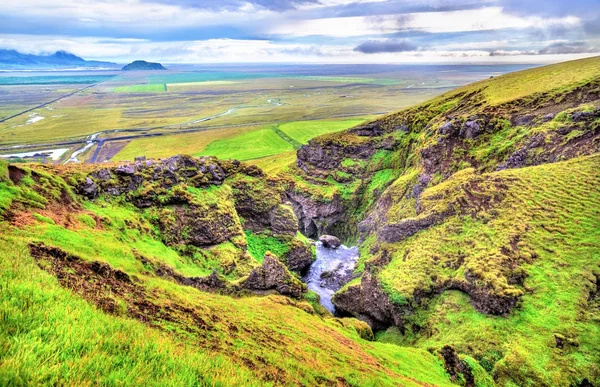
(89, 188)
(282, 220)
(273, 275)
(125, 170)
(367, 302)
(448, 129)
(299, 257)
(470, 130)
(330, 242)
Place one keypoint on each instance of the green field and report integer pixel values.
(253, 145)
(212, 101)
(149, 88)
(241, 143)
(206, 76)
(190, 143)
(302, 131)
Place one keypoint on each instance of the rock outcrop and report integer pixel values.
(204, 202)
(367, 302)
(273, 275)
(314, 216)
(299, 257)
(330, 242)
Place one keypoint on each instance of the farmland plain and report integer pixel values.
(255, 113)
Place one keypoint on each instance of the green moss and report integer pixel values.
(482, 378)
(44, 219)
(4, 171)
(87, 220)
(259, 244)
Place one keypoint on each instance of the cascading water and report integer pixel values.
(331, 270)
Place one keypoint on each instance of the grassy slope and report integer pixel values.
(167, 146)
(253, 145)
(553, 209)
(50, 335)
(273, 165)
(302, 131)
(491, 97)
(554, 212)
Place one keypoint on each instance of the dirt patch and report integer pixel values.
(15, 174)
(211, 283)
(113, 291)
(109, 150)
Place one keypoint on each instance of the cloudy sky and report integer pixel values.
(322, 31)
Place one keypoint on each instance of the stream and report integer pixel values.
(330, 271)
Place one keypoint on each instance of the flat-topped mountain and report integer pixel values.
(11, 59)
(140, 65)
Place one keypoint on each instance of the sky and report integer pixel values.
(305, 31)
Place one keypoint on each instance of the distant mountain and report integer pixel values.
(143, 65)
(11, 59)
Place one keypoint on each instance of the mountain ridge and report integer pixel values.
(12, 59)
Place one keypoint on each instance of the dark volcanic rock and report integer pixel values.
(89, 188)
(125, 170)
(396, 232)
(329, 155)
(263, 208)
(273, 275)
(470, 129)
(103, 174)
(316, 217)
(369, 303)
(456, 367)
(330, 242)
(299, 257)
(448, 129)
(197, 226)
(368, 130)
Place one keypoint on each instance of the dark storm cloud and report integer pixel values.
(381, 46)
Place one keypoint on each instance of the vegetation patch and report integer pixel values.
(148, 88)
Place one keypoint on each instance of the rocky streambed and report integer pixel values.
(331, 270)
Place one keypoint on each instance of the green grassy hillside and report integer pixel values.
(477, 214)
(105, 290)
(528, 236)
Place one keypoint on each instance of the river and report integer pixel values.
(331, 270)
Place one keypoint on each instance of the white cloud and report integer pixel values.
(489, 18)
(128, 12)
(240, 51)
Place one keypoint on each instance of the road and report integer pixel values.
(48, 103)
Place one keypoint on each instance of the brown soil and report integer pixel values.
(15, 174)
